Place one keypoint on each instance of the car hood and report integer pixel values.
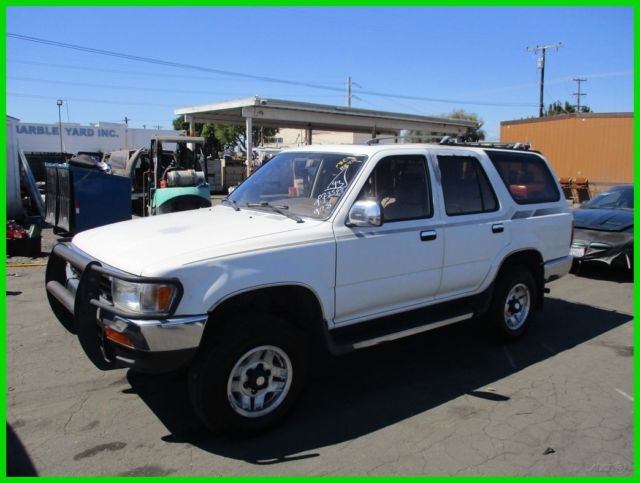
(150, 246)
(602, 219)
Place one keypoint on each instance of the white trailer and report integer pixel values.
(14, 202)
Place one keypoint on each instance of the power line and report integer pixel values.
(131, 88)
(135, 73)
(445, 101)
(247, 76)
(97, 101)
(167, 63)
(112, 86)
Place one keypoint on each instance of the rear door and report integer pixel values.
(476, 228)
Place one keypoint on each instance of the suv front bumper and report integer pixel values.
(148, 344)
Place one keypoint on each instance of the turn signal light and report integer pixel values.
(117, 337)
(164, 296)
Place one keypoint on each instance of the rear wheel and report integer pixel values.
(249, 378)
(513, 304)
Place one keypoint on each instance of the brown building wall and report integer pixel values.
(594, 146)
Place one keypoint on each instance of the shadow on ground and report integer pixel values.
(18, 461)
(368, 390)
(601, 271)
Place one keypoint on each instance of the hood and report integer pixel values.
(602, 219)
(147, 246)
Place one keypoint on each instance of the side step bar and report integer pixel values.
(410, 332)
(344, 339)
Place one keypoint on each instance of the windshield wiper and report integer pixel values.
(277, 208)
(233, 203)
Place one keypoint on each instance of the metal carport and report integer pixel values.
(303, 115)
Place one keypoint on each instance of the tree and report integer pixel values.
(225, 136)
(211, 144)
(557, 108)
(232, 136)
(179, 124)
(473, 134)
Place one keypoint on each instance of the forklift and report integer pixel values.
(175, 179)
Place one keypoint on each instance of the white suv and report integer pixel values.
(338, 246)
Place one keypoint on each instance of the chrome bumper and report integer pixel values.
(176, 333)
(78, 299)
(554, 269)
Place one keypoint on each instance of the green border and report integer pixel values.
(308, 3)
(322, 3)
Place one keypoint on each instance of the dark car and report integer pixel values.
(604, 228)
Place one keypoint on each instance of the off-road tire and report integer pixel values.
(210, 375)
(513, 305)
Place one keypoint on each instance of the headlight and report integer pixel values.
(145, 298)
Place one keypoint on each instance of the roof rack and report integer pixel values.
(452, 141)
(447, 140)
(396, 138)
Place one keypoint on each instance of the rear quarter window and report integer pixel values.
(526, 176)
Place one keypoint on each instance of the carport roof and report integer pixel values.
(304, 115)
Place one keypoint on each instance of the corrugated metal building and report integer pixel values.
(598, 147)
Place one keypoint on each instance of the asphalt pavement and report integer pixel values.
(450, 402)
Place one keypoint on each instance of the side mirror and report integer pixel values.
(365, 213)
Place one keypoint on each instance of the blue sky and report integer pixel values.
(466, 57)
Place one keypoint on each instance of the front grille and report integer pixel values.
(105, 288)
(73, 277)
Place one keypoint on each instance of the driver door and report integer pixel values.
(398, 265)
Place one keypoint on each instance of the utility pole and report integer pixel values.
(157, 126)
(579, 94)
(542, 49)
(350, 96)
(59, 102)
(126, 132)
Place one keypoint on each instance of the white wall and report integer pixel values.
(297, 137)
(103, 136)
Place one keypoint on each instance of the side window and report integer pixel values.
(526, 176)
(465, 186)
(401, 185)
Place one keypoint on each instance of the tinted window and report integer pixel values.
(465, 186)
(526, 176)
(401, 185)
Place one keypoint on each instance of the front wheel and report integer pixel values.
(513, 304)
(248, 380)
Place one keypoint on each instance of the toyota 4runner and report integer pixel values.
(341, 247)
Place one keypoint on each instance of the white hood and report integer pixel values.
(146, 246)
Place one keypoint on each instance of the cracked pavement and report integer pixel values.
(450, 402)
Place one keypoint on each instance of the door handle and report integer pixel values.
(428, 235)
(497, 228)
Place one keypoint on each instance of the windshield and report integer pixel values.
(306, 184)
(617, 198)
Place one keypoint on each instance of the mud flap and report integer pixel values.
(86, 326)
